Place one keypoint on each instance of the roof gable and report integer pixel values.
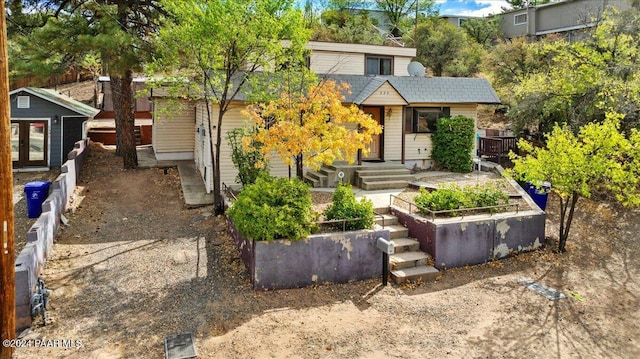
(385, 94)
(59, 99)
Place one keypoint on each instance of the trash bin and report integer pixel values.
(539, 195)
(36, 193)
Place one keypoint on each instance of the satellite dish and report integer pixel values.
(415, 69)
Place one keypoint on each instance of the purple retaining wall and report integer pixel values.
(475, 239)
(329, 257)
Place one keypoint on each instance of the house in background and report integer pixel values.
(103, 127)
(45, 125)
(384, 83)
(569, 18)
(457, 20)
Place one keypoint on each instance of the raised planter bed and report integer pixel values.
(327, 257)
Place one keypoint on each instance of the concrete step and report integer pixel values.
(314, 182)
(380, 167)
(326, 171)
(414, 274)
(401, 245)
(395, 230)
(385, 178)
(383, 171)
(408, 260)
(385, 219)
(370, 186)
(316, 175)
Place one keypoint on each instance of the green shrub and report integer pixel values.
(487, 196)
(274, 209)
(453, 143)
(345, 206)
(451, 197)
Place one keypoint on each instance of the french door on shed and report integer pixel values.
(29, 139)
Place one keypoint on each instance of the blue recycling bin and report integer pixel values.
(36, 193)
(539, 195)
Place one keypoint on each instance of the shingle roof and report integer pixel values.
(60, 100)
(422, 89)
(414, 90)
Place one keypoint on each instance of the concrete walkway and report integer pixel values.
(193, 188)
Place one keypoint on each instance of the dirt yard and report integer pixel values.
(134, 265)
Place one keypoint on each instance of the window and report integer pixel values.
(461, 21)
(520, 19)
(23, 102)
(424, 119)
(377, 65)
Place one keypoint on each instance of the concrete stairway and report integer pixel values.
(320, 178)
(408, 263)
(382, 176)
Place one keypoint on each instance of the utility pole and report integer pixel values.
(7, 256)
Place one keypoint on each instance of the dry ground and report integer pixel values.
(134, 265)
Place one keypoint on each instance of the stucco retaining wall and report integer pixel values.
(329, 257)
(475, 239)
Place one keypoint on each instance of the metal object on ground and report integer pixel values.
(179, 346)
(541, 289)
(40, 302)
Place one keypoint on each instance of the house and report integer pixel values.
(381, 84)
(45, 125)
(457, 20)
(103, 127)
(568, 18)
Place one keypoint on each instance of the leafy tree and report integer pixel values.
(521, 4)
(485, 31)
(229, 47)
(314, 128)
(574, 83)
(599, 158)
(346, 27)
(445, 49)
(116, 32)
(248, 159)
(398, 12)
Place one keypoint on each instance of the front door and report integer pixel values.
(375, 153)
(29, 143)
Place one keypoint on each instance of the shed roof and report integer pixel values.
(59, 99)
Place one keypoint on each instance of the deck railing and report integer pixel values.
(496, 149)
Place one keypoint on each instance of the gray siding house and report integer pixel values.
(568, 17)
(45, 126)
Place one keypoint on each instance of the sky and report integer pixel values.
(471, 7)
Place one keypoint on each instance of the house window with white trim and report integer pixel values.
(23, 102)
(379, 65)
(520, 19)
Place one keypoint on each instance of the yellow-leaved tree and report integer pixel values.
(313, 128)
